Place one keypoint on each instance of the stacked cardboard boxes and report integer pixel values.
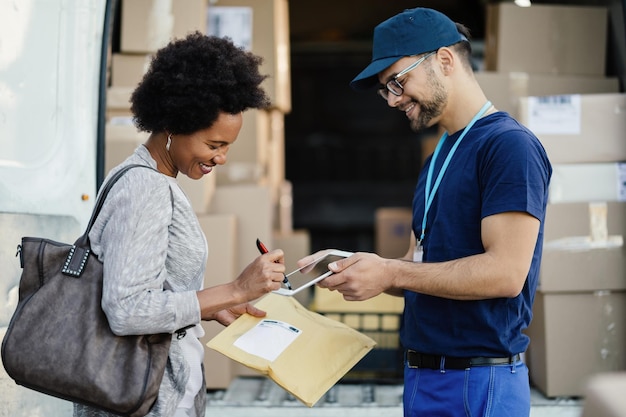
(545, 65)
(579, 318)
(578, 128)
(579, 324)
(145, 27)
(262, 27)
(544, 50)
(546, 39)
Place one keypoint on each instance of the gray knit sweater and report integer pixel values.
(149, 239)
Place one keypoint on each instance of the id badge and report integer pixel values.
(418, 253)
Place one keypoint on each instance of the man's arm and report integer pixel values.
(508, 238)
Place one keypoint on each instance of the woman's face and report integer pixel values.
(196, 154)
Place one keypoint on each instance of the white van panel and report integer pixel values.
(50, 60)
(49, 79)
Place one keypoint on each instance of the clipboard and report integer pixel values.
(311, 273)
(306, 363)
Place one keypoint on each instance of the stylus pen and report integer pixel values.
(263, 250)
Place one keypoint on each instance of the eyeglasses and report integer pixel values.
(393, 86)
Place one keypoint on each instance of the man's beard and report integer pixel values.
(429, 110)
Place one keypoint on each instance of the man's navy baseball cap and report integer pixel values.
(412, 32)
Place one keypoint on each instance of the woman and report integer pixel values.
(147, 236)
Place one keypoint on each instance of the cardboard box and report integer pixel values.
(121, 140)
(572, 183)
(296, 245)
(326, 301)
(574, 219)
(578, 128)
(252, 206)
(189, 16)
(548, 39)
(266, 35)
(576, 264)
(574, 336)
(112, 115)
(505, 89)
(393, 229)
(147, 25)
(221, 234)
(584, 248)
(274, 162)
(283, 220)
(127, 70)
(118, 98)
(604, 395)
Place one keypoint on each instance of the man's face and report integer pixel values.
(422, 96)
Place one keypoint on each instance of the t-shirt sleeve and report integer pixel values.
(515, 174)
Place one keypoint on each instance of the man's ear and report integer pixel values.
(446, 59)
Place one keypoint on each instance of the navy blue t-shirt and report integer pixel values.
(499, 166)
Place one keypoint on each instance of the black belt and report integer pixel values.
(420, 360)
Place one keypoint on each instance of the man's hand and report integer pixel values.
(358, 277)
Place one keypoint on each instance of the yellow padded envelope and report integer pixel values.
(312, 351)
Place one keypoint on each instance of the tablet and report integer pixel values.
(311, 273)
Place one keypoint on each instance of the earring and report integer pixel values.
(169, 142)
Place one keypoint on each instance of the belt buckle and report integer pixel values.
(409, 355)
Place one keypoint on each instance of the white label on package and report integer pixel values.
(268, 339)
(554, 115)
(233, 22)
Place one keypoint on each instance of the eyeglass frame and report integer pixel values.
(385, 90)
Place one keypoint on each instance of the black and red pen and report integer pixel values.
(264, 250)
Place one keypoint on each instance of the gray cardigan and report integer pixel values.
(149, 239)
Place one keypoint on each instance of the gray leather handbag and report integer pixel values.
(59, 341)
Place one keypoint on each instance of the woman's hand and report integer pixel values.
(226, 302)
(227, 316)
(264, 274)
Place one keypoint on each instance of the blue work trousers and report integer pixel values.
(480, 391)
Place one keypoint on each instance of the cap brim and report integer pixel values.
(368, 77)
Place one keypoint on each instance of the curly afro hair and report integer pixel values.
(192, 80)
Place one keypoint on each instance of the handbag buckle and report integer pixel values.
(75, 261)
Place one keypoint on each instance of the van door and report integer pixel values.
(52, 61)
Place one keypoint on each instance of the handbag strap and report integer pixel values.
(105, 190)
(79, 253)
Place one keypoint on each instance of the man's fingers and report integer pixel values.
(342, 264)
